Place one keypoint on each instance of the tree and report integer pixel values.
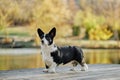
(3, 23)
(50, 13)
(91, 18)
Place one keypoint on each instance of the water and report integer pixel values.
(102, 56)
(31, 58)
(20, 58)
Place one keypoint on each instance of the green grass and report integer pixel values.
(24, 33)
(16, 31)
(89, 43)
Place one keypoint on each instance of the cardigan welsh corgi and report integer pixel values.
(54, 55)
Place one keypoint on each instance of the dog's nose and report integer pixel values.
(42, 41)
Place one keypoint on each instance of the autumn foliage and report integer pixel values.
(99, 18)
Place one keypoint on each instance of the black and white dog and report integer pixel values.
(53, 55)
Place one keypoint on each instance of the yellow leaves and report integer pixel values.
(94, 25)
(78, 18)
(3, 22)
(100, 33)
(49, 13)
(116, 25)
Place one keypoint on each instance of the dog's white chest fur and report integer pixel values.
(46, 53)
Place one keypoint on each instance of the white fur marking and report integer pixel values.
(45, 41)
(84, 68)
(46, 50)
(45, 70)
(52, 68)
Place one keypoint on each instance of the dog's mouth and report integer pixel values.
(47, 42)
(44, 43)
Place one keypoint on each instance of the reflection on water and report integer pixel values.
(31, 58)
(102, 56)
(20, 58)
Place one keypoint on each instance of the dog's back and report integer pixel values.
(67, 53)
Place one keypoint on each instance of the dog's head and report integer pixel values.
(47, 39)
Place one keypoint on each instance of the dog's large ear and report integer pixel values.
(52, 32)
(40, 32)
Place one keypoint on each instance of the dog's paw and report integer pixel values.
(84, 68)
(72, 69)
(45, 70)
(51, 71)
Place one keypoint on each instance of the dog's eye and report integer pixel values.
(47, 38)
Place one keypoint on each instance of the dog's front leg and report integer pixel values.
(52, 68)
(46, 69)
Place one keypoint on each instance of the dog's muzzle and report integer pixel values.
(42, 42)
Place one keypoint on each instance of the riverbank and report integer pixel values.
(88, 44)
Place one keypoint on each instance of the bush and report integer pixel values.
(75, 30)
(100, 33)
(94, 25)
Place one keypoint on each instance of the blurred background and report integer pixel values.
(93, 25)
